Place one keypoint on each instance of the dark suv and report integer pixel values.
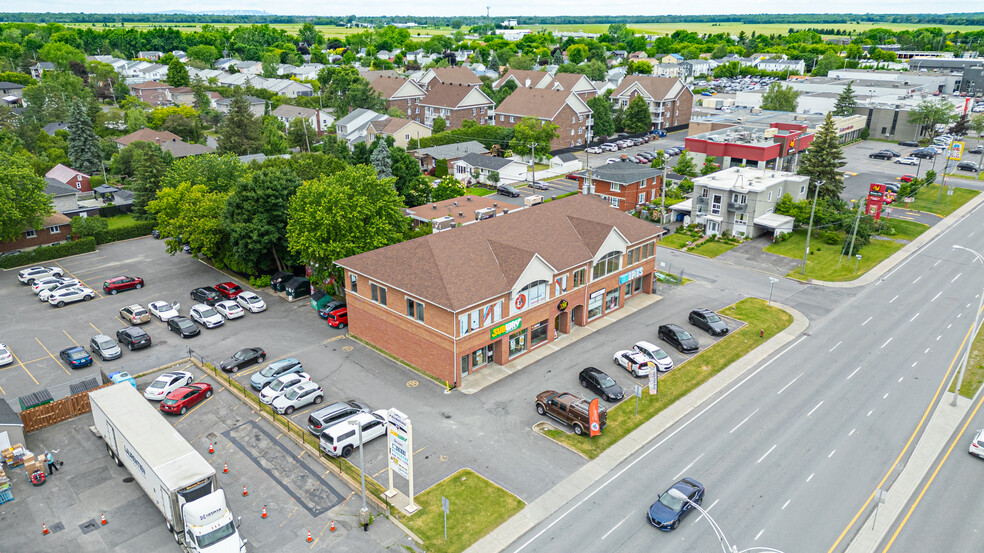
(334, 414)
(133, 338)
(206, 295)
(679, 338)
(708, 320)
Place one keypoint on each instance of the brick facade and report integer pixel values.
(50, 233)
(629, 196)
(572, 128)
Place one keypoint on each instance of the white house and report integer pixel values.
(509, 170)
(320, 120)
(352, 127)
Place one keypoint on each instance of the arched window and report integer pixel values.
(606, 265)
(532, 294)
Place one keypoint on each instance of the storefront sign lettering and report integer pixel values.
(562, 305)
(520, 301)
(631, 275)
(506, 328)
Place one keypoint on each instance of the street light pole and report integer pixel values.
(809, 229)
(973, 330)
(725, 545)
(364, 512)
(772, 285)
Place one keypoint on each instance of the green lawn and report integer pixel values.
(825, 262)
(686, 377)
(476, 506)
(118, 221)
(712, 249)
(477, 191)
(676, 240)
(926, 199)
(904, 230)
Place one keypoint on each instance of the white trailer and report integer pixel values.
(177, 479)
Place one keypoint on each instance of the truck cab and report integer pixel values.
(209, 526)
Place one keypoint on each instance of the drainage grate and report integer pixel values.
(56, 527)
(89, 526)
(128, 480)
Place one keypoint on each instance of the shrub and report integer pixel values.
(136, 230)
(260, 281)
(47, 253)
(110, 211)
(864, 134)
(84, 227)
(830, 237)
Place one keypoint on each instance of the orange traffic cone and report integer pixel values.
(103, 521)
(245, 493)
(225, 468)
(45, 531)
(310, 539)
(210, 448)
(264, 515)
(332, 528)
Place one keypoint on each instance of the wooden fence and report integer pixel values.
(48, 414)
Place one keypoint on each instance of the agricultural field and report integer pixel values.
(735, 28)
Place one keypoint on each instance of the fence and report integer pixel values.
(48, 414)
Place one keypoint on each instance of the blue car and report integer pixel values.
(274, 371)
(76, 357)
(668, 510)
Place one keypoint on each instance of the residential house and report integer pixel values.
(225, 63)
(448, 153)
(568, 162)
(638, 56)
(576, 83)
(671, 58)
(478, 168)
(308, 71)
(670, 101)
(456, 212)
(63, 197)
(71, 178)
(567, 110)
(670, 70)
(352, 127)
(150, 55)
(399, 92)
(179, 149)
(147, 135)
(52, 128)
(454, 103)
(205, 75)
(371, 75)
(782, 66)
(320, 120)
(11, 90)
(286, 69)
(456, 75)
(180, 55)
(240, 79)
(742, 201)
(149, 72)
(525, 79)
(154, 93)
(39, 68)
(256, 105)
(404, 131)
(249, 67)
(183, 96)
(288, 88)
(623, 184)
(55, 229)
(696, 68)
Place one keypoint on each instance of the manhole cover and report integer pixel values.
(212, 437)
(128, 480)
(88, 526)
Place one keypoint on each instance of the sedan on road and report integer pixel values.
(229, 309)
(228, 290)
(186, 397)
(679, 338)
(163, 310)
(206, 316)
(593, 150)
(601, 384)
(670, 507)
(709, 321)
(273, 371)
(105, 347)
(329, 307)
(909, 144)
(539, 185)
(977, 150)
(30, 274)
(907, 178)
(907, 160)
(76, 357)
(881, 155)
(167, 383)
(251, 302)
(924, 153)
(183, 326)
(133, 338)
(242, 359)
(634, 362)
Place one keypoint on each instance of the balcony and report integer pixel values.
(700, 200)
(737, 207)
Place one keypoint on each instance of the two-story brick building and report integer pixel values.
(55, 229)
(152, 92)
(454, 103)
(565, 109)
(400, 93)
(449, 75)
(451, 303)
(670, 101)
(623, 184)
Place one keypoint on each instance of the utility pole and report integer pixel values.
(809, 229)
(533, 159)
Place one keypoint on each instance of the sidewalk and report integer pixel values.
(569, 488)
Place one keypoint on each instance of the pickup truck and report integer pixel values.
(568, 409)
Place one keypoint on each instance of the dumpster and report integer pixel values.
(279, 280)
(122, 377)
(297, 287)
(319, 299)
(34, 399)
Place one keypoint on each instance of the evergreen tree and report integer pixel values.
(823, 161)
(177, 74)
(380, 159)
(637, 116)
(780, 98)
(83, 144)
(685, 165)
(148, 169)
(709, 166)
(493, 64)
(558, 57)
(240, 132)
(601, 109)
(846, 102)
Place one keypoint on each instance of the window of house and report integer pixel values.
(55, 229)
(579, 277)
(716, 204)
(615, 187)
(770, 196)
(779, 194)
(642, 198)
(474, 111)
(517, 342)
(560, 285)
(512, 119)
(378, 294)
(538, 333)
(803, 189)
(502, 118)
(354, 283)
(532, 294)
(580, 118)
(479, 358)
(30, 233)
(572, 132)
(607, 265)
(613, 200)
(741, 218)
(572, 118)
(415, 309)
(406, 136)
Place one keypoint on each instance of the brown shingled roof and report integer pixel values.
(388, 86)
(521, 76)
(462, 267)
(569, 80)
(148, 135)
(457, 74)
(450, 95)
(389, 125)
(657, 87)
(149, 85)
(542, 103)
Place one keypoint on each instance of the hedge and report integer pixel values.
(142, 228)
(47, 253)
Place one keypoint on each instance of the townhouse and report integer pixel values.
(565, 109)
(670, 101)
(454, 103)
(399, 92)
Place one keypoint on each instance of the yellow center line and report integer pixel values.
(94, 326)
(53, 357)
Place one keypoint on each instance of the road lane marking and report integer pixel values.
(936, 296)
(917, 279)
(685, 469)
(853, 373)
(70, 338)
(885, 396)
(835, 346)
(831, 454)
(914, 317)
(938, 337)
(784, 505)
(707, 510)
(955, 278)
(870, 412)
(810, 477)
(52, 356)
(814, 409)
(851, 433)
(949, 325)
(615, 527)
(927, 350)
(787, 385)
(893, 299)
(937, 263)
(866, 321)
(759, 534)
(766, 454)
(743, 422)
(900, 378)
(886, 342)
(914, 363)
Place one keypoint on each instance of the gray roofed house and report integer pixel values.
(51, 128)
(508, 170)
(451, 152)
(11, 89)
(63, 197)
(352, 127)
(486, 162)
(624, 172)
(256, 105)
(181, 149)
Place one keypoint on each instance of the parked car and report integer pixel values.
(228, 290)
(329, 307)
(668, 510)
(892, 187)
(881, 155)
(505, 190)
(206, 295)
(569, 409)
(281, 386)
(229, 309)
(539, 185)
(186, 397)
(242, 359)
(167, 383)
(895, 153)
(923, 153)
(6, 357)
(206, 316)
(133, 338)
(71, 295)
(907, 160)
(163, 311)
(979, 149)
(655, 354)
(909, 144)
(45, 294)
(118, 284)
(635, 362)
(593, 150)
(297, 397)
(274, 371)
(251, 302)
(338, 318)
(76, 357)
(105, 347)
(600, 383)
(328, 416)
(50, 282)
(679, 338)
(183, 326)
(342, 439)
(135, 314)
(968, 166)
(609, 147)
(29, 275)
(907, 178)
(976, 446)
(709, 321)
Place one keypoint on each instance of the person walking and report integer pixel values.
(51, 462)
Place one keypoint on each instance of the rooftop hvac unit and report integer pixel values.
(442, 223)
(484, 213)
(770, 132)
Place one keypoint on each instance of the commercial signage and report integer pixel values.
(562, 305)
(631, 275)
(875, 200)
(652, 380)
(595, 425)
(506, 328)
(956, 151)
(399, 438)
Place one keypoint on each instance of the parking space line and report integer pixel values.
(96, 290)
(70, 338)
(25, 368)
(94, 326)
(122, 321)
(203, 402)
(52, 356)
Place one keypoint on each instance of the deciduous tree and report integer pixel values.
(532, 131)
(685, 165)
(177, 74)
(930, 113)
(448, 187)
(255, 216)
(601, 109)
(637, 116)
(23, 202)
(780, 98)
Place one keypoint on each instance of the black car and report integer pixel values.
(708, 320)
(602, 384)
(893, 152)
(884, 154)
(206, 295)
(675, 503)
(183, 326)
(923, 153)
(507, 191)
(679, 338)
(909, 144)
(329, 307)
(133, 338)
(243, 358)
(977, 150)
(968, 166)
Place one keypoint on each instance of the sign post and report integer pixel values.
(399, 434)
(446, 507)
(638, 394)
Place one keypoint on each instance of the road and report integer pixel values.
(791, 452)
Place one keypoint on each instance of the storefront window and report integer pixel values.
(637, 285)
(595, 303)
(611, 300)
(517, 342)
(628, 289)
(479, 358)
(538, 334)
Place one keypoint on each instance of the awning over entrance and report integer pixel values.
(778, 223)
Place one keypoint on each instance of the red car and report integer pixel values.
(229, 290)
(907, 178)
(120, 283)
(338, 318)
(185, 397)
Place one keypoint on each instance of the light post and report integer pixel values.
(809, 229)
(973, 329)
(772, 285)
(726, 546)
(364, 513)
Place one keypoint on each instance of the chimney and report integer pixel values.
(495, 204)
(461, 214)
(434, 206)
(467, 198)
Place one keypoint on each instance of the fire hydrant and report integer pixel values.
(762, 333)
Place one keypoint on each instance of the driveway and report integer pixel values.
(752, 254)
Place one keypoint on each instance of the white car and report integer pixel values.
(167, 383)
(163, 310)
(907, 160)
(612, 160)
(281, 385)
(70, 295)
(655, 354)
(594, 150)
(43, 283)
(206, 316)
(30, 274)
(609, 147)
(6, 357)
(45, 293)
(229, 309)
(634, 362)
(298, 396)
(342, 439)
(251, 301)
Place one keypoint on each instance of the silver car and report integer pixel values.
(105, 347)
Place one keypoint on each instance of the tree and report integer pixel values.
(439, 125)
(416, 192)
(274, 139)
(846, 102)
(271, 63)
(719, 51)
(826, 64)
(148, 170)
(203, 53)
(685, 165)
(823, 161)
(83, 144)
(977, 123)
(960, 127)
(406, 169)
(177, 74)
(380, 159)
(530, 131)
(448, 187)
(577, 53)
(194, 213)
(61, 54)
(342, 215)
(135, 119)
(255, 216)
(708, 167)
(640, 67)
(240, 132)
(931, 113)
(558, 57)
(344, 90)
(309, 35)
(300, 134)
(23, 202)
(601, 108)
(780, 98)
(660, 160)
(637, 116)
(493, 64)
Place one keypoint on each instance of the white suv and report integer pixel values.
(45, 293)
(297, 397)
(70, 295)
(281, 385)
(342, 438)
(206, 316)
(29, 275)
